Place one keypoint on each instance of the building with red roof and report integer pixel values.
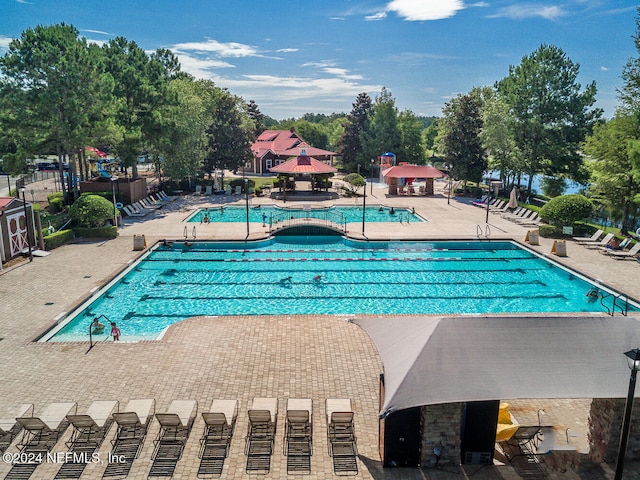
(273, 147)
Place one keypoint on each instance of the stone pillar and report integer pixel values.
(441, 426)
(605, 424)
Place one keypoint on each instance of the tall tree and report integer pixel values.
(58, 83)
(229, 136)
(141, 95)
(615, 150)
(630, 92)
(551, 116)
(411, 149)
(350, 143)
(258, 118)
(461, 142)
(383, 133)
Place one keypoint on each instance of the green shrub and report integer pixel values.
(258, 191)
(99, 232)
(91, 210)
(58, 238)
(549, 231)
(56, 202)
(239, 182)
(566, 210)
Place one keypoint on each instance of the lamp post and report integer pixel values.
(449, 190)
(114, 179)
(486, 220)
(372, 160)
(246, 200)
(364, 205)
(26, 222)
(633, 359)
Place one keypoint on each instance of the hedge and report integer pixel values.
(97, 232)
(58, 238)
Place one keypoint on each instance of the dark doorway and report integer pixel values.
(479, 432)
(403, 438)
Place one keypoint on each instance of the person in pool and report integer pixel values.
(96, 326)
(392, 211)
(317, 278)
(115, 332)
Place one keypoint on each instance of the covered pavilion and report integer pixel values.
(409, 173)
(303, 164)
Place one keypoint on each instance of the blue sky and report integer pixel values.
(297, 56)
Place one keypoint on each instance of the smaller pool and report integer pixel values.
(268, 213)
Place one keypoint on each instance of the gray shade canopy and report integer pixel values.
(432, 360)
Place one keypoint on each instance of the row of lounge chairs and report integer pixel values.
(595, 242)
(147, 205)
(40, 433)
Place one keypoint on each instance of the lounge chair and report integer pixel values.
(481, 202)
(298, 434)
(341, 435)
(175, 426)
(593, 238)
(89, 431)
(42, 432)
(133, 424)
(149, 204)
(139, 207)
(220, 423)
(198, 190)
(601, 243)
(532, 220)
(263, 416)
(132, 213)
(10, 428)
(632, 253)
(209, 190)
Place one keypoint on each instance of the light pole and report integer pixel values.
(633, 359)
(26, 222)
(246, 200)
(449, 190)
(364, 205)
(114, 179)
(372, 160)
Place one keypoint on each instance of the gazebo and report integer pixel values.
(410, 173)
(305, 165)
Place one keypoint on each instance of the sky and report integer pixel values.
(315, 56)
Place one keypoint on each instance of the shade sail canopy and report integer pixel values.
(413, 171)
(303, 164)
(432, 360)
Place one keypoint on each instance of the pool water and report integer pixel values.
(339, 215)
(328, 275)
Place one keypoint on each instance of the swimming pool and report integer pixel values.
(277, 277)
(339, 214)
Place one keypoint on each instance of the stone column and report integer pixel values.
(605, 424)
(442, 426)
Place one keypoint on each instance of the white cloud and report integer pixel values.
(229, 49)
(287, 50)
(376, 16)
(199, 67)
(100, 32)
(604, 69)
(530, 10)
(412, 10)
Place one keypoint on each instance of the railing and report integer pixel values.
(292, 218)
(620, 301)
(480, 233)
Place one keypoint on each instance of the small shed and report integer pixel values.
(410, 173)
(16, 229)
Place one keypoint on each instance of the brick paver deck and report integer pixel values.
(240, 358)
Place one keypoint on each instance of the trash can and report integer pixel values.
(139, 242)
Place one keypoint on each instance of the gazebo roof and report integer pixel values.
(303, 164)
(413, 171)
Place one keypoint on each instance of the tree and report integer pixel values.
(566, 209)
(258, 118)
(355, 182)
(550, 115)
(55, 81)
(630, 92)
(411, 149)
(383, 132)
(616, 167)
(350, 143)
(91, 210)
(229, 138)
(461, 142)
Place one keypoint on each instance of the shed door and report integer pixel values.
(17, 233)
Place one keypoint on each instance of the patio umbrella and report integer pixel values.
(513, 199)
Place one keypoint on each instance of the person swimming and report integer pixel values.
(317, 278)
(286, 279)
(392, 211)
(96, 326)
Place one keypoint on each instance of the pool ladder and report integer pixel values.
(186, 233)
(619, 300)
(480, 233)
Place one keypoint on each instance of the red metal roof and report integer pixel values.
(284, 143)
(303, 164)
(413, 171)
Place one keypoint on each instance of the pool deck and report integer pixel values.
(316, 357)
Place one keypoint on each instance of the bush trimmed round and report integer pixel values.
(566, 209)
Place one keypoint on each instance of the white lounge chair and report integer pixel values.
(9, 427)
(94, 424)
(602, 243)
(209, 190)
(43, 431)
(632, 253)
(593, 238)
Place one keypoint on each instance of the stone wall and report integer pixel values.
(442, 426)
(605, 424)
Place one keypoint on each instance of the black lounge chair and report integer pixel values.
(133, 424)
(341, 436)
(220, 422)
(261, 432)
(298, 435)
